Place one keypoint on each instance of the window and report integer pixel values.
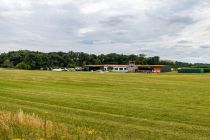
(121, 68)
(115, 68)
(125, 68)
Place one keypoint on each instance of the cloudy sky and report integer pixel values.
(172, 29)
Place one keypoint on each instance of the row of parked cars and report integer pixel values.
(64, 69)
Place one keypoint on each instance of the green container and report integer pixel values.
(191, 70)
(166, 68)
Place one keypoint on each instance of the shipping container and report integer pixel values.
(191, 70)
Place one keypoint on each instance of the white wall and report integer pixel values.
(120, 69)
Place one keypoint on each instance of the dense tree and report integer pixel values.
(153, 60)
(25, 59)
(2, 58)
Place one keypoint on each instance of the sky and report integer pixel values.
(172, 29)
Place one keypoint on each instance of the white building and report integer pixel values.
(114, 68)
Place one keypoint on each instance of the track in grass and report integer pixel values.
(135, 106)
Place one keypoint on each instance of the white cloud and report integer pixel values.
(15, 4)
(91, 8)
(177, 30)
(83, 31)
(15, 14)
(55, 2)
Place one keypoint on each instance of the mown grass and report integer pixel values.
(115, 105)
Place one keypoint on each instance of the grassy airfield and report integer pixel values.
(115, 105)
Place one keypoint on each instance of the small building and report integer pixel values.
(129, 68)
(114, 68)
(153, 68)
(93, 67)
(118, 68)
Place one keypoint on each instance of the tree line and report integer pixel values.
(32, 60)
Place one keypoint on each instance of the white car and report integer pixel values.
(58, 69)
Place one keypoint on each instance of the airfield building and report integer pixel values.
(153, 68)
(129, 68)
(114, 68)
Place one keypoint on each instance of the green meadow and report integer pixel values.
(116, 105)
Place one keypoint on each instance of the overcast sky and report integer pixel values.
(172, 29)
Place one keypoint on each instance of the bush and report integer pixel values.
(207, 70)
(23, 65)
(71, 66)
(7, 64)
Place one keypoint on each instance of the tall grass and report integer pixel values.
(21, 126)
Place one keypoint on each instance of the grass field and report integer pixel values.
(115, 105)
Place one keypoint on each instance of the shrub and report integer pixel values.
(7, 64)
(23, 65)
(207, 70)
